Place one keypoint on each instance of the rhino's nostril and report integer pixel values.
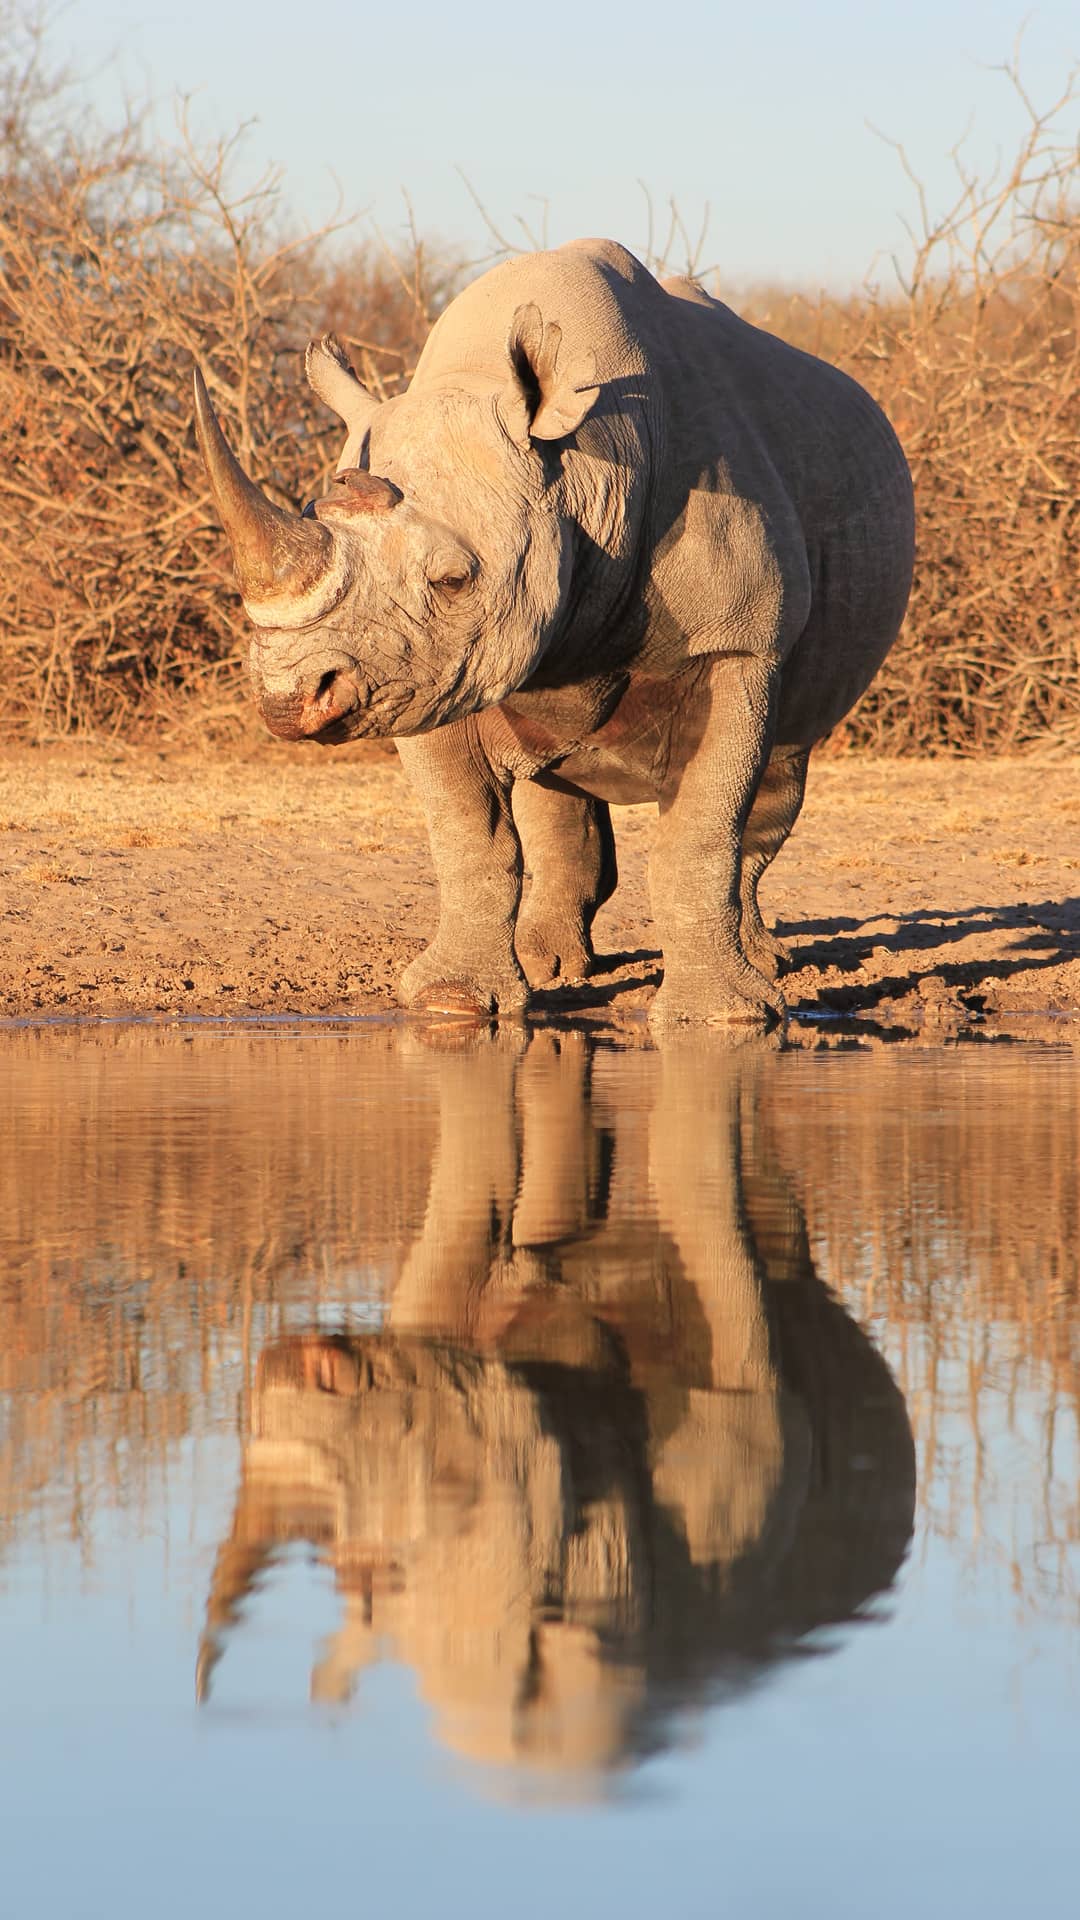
(326, 684)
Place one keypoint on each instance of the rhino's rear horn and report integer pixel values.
(363, 492)
(276, 554)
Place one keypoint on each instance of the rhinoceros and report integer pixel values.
(614, 544)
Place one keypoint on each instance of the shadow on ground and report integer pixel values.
(851, 966)
(870, 955)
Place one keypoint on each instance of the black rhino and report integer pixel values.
(614, 544)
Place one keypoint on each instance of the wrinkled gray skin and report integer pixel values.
(612, 545)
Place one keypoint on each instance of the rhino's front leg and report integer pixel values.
(569, 851)
(470, 966)
(719, 751)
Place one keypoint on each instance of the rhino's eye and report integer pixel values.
(450, 570)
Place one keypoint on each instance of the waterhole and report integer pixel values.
(445, 1473)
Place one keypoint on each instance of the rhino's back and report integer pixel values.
(733, 397)
(728, 390)
(827, 438)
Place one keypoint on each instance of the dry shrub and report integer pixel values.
(977, 362)
(383, 305)
(117, 269)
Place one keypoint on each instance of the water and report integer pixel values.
(451, 1474)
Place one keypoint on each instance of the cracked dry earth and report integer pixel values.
(930, 898)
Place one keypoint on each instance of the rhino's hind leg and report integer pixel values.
(569, 853)
(776, 808)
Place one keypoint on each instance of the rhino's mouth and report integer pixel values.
(344, 702)
(339, 704)
(390, 711)
(374, 718)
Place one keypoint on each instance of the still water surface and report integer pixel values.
(476, 1476)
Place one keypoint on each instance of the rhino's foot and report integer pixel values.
(432, 985)
(739, 997)
(765, 952)
(554, 954)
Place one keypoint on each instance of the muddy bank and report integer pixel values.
(930, 898)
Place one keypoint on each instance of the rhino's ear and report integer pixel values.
(549, 393)
(330, 375)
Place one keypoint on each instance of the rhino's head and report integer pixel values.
(432, 581)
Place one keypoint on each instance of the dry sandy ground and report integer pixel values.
(929, 898)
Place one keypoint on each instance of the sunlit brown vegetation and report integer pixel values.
(118, 267)
(976, 359)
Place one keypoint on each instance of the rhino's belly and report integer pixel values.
(625, 760)
(605, 778)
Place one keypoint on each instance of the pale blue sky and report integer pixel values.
(762, 111)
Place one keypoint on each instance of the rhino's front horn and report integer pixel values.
(278, 556)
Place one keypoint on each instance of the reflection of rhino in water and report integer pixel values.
(616, 1448)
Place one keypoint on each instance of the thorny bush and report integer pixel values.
(117, 269)
(977, 363)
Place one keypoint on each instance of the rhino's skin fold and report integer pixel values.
(615, 1450)
(629, 548)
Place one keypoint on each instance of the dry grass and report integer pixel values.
(119, 267)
